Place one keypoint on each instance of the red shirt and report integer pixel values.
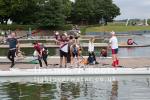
(37, 48)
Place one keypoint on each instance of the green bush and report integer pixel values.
(26, 27)
(17, 27)
(65, 27)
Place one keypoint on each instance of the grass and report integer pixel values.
(116, 28)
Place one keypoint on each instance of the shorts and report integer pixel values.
(75, 54)
(63, 54)
(114, 51)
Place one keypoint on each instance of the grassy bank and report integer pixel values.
(116, 28)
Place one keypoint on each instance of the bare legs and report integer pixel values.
(61, 61)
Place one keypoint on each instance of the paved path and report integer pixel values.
(106, 63)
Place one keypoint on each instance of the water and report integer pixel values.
(75, 88)
(139, 39)
(135, 52)
(123, 52)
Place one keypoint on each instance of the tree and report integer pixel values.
(23, 11)
(110, 11)
(53, 13)
(82, 11)
(92, 11)
(50, 13)
(5, 11)
(67, 7)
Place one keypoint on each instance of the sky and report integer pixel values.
(133, 9)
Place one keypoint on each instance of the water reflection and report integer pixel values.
(114, 91)
(70, 90)
(84, 88)
(18, 91)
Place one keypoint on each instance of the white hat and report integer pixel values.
(65, 33)
(57, 33)
(112, 32)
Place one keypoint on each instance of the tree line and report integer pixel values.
(55, 13)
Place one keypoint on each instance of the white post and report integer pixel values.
(146, 23)
(127, 22)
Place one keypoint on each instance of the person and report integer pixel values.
(92, 57)
(13, 42)
(70, 43)
(56, 35)
(63, 42)
(74, 50)
(131, 42)
(113, 43)
(103, 53)
(3, 38)
(42, 53)
(19, 53)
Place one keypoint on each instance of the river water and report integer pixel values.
(75, 88)
(136, 52)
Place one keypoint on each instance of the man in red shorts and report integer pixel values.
(113, 43)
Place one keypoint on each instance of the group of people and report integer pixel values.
(69, 48)
(41, 52)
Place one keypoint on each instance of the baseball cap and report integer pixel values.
(112, 32)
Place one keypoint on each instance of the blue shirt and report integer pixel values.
(12, 43)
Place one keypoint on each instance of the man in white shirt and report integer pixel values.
(113, 43)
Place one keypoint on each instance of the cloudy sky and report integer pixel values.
(133, 8)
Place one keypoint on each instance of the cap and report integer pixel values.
(112, 32)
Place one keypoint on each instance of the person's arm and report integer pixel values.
(17, 44)
(109, 44)
(57, 41)
(7, 40)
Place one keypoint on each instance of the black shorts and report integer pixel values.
(63, 54)
(75, 54)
